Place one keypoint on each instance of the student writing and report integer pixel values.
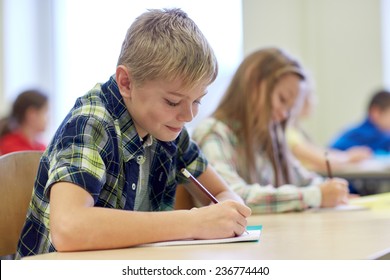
(244, 139)
(374, 131)
(108, 177)
(309, 153)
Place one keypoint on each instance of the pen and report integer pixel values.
(329, 170)
(198, 184)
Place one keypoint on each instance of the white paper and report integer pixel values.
(341, 207)
(251, 235)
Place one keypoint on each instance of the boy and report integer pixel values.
(374, 131)
(112, 168)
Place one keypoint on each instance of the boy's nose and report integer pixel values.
(186, 114)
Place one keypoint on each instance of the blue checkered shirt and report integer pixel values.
(96, 147)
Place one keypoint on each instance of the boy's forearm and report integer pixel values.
(101, 228)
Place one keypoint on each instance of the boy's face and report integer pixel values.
(161, 109)
(381, 118)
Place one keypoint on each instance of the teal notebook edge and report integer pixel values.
(258, 227)
(255, 227)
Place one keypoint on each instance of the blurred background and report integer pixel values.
(65, 47)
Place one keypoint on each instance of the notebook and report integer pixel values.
(343, 207)
(252, 234)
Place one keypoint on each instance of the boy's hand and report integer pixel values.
(359, 153)
(225, 219)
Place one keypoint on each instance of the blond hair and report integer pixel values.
(247, 107)
(166, 44)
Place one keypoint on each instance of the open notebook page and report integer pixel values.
(252, 234)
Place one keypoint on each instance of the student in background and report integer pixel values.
(373, 131)
(20, 131)
(109, 176)
(244, 139)
(311, 155)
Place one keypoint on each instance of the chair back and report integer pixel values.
(17, 176)
(183, 199)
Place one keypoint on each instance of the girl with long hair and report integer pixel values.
(244, 139)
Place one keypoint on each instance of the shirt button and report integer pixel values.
(133, 186)
(140, 159)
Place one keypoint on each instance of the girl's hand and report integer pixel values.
(334, 192)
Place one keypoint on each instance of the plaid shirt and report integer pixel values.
(96, 147)
(220, 145)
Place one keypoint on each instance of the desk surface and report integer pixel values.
(367, 177)
(352, 235)
(376, 168)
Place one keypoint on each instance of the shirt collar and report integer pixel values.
(148, 141)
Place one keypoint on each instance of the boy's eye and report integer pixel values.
(170, 103)
(198, 102)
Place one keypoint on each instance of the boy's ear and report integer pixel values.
(123, 79)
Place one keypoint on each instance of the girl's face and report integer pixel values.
(37, 118)
(284, 96)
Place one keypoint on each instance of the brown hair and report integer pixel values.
(246, 107)
(380, 99)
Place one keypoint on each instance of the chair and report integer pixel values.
(17, 175)
(183, 199)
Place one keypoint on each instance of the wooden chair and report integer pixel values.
(188, 197)
(17, 175)
(183, 200)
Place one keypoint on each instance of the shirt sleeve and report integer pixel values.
(293, 137)
(221, 154)
(77, 155)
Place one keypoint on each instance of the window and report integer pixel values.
(67, 46)
(89, 41)
(386, 42)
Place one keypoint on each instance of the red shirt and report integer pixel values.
(14, 142)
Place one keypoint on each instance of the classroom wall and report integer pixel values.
(385, 8)
(2, 99)
(27, 46)
(339, 42)
(27, 52)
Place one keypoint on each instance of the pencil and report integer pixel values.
(201, 187)
(198, 184)
(328, 168)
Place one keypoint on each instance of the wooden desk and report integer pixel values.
(376, 168)
(368, 177)
(310, 235)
